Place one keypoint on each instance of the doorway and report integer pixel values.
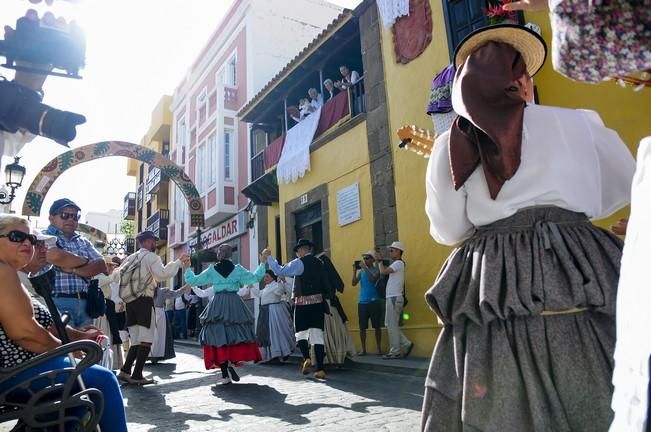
(309, 226)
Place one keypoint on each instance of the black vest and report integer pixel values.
(311, 281)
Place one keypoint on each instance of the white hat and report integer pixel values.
(397, 245)
(48, 239)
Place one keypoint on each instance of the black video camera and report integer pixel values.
(21, 108)
(37, 44)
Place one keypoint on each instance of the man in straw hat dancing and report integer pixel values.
(309, 300)
(528, 299)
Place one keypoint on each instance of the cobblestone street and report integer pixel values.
(271, 398)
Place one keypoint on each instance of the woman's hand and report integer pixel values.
(85, 333)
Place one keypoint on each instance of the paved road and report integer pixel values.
(271, 398)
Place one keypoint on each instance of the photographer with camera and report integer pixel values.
(370, 304)
(34, 48)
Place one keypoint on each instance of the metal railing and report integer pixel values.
(257, 166)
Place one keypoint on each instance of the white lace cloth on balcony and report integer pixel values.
(631, 376)
(295, 159)
(391, 10)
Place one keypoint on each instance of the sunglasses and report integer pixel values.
(19, 237)
(66, 216)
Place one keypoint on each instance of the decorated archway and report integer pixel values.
(57, 166)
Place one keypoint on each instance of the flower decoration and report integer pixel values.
(496, 14)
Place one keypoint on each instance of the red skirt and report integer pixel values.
(239, 353)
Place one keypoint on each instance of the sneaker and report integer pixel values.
(307, 364)
(362, 354)
(234, 376)
(124, 377)
(408, 351)
(320, 374)
(225, 381)
(391, 356)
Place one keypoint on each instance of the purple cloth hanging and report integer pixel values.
(440, 99)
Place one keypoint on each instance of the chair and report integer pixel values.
(60, 405)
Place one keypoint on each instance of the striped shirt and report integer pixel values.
(66, 283)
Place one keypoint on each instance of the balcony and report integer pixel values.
(158, 224)
(154, 179)
(129, 212)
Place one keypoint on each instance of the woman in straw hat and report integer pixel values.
(528, 299)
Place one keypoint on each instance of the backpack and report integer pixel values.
(130, 286)
(95, 302)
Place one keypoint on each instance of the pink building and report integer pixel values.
(251, 44)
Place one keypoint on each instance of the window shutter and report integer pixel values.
(461, 18)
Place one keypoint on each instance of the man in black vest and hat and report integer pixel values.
(309, 301)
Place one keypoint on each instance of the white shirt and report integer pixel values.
(271, 293)
(12, 143)
(396, 282)
(569, 160)
(179, 304)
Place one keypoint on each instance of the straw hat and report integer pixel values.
(527, 42)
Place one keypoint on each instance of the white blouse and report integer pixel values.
(271, 293)
(569, 160)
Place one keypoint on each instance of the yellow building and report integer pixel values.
(148, 207)
(361, 190)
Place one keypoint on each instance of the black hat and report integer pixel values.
(61, 204)
(303, 242)
(146, 235)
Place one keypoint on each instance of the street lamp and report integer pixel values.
(14, 174)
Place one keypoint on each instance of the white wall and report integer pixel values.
(280, 30)
(105, 221)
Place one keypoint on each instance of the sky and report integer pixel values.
(137, 51)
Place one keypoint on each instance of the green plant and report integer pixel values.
(128, 228)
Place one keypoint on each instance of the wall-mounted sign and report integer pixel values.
(225, 231)
(348, 207)
(303, 199)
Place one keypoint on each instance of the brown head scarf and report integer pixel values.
(488, 130)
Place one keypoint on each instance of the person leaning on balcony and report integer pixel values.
(26, 326)
(527, 300)
(348, 78)
(316, 100)
(329, 88)
(141, 317)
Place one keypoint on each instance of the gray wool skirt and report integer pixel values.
(275, 331)
(505, 361)
(226, 321)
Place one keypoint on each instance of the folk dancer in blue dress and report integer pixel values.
(227, 330)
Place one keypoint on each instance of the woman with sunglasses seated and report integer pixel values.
(26, 327)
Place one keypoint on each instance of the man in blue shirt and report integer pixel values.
(71, 284)
(370, 304)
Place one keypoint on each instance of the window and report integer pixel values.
(179, 206)
(206, 157)
(202, 106)
(181, 131)
(211, 160)
(229, 75)
(461, 18)
(201, 168)
(228, 158)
